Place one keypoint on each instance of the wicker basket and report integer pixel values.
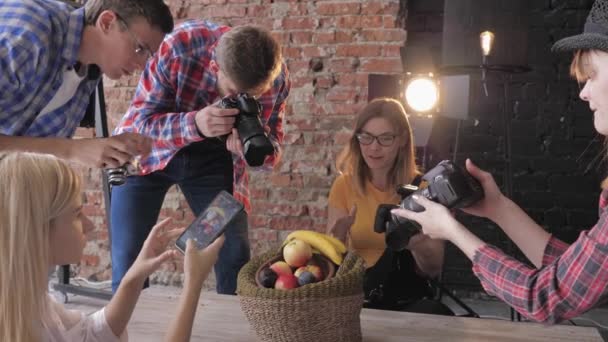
(323, 311)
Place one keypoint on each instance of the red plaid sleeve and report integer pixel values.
(569, 285)
(555, 248)
(154, 111)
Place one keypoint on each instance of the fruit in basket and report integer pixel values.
(329, 246)
(312, 269)
(299, 271)
(297, 253)
(316, 271)
(286, 282)
(281, 268)
(306, 278)
(323, 268)
(268, 278)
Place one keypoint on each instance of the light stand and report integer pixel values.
(95, 117)
(505, 70)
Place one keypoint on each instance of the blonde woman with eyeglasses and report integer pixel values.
(42, 224)
(380, 156)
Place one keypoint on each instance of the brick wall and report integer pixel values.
(330, 47)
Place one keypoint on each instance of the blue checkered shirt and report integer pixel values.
(39, 39)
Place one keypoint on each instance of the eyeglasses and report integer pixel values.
(383, 139)
(140, 49)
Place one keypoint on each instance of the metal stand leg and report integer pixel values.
(97, 108)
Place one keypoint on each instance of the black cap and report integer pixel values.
(595, 33)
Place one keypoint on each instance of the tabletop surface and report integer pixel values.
(219, 318)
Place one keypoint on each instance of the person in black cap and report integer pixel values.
(567, 280)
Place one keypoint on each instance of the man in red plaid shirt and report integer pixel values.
(566, 280)
(196, 146)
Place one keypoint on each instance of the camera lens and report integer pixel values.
(117, 176)
(256, 149)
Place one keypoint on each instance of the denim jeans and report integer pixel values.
(201, 170)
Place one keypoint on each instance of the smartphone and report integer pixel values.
(212, 222)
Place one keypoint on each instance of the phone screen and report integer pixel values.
(212, 222)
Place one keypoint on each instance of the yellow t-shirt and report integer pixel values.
(367, 243)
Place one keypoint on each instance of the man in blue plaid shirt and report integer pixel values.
(51, 59)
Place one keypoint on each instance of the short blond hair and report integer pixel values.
(36, 189)
(250, 57)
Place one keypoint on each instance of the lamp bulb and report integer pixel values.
(487, 41)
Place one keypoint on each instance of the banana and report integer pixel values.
(340, 247)
(317, 241)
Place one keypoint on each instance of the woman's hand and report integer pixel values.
(436, 220)
(154, 251)
(493, 198)
(417, 242)
(152, 255)
(198, 263)
(341, 228)
(428, 254)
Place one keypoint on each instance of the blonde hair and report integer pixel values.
(580, 65)
(350, 161)
(35, 190)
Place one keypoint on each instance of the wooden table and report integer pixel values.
(220, 318)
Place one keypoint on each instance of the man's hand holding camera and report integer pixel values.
(213, 121)
(109, 152)
(234, 144)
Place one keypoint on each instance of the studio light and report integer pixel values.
(486, 39)
(422, 93)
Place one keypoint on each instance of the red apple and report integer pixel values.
(286, 282)
(281, 268)
(297, 253)
(316, 271)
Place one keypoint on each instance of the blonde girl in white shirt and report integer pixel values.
(42, 225)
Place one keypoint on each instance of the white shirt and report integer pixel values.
(63, 325)
(71, 80)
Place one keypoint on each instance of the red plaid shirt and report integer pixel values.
(176, 84)
(572, 279)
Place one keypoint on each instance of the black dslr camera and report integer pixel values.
(256, 145)
(448, 184)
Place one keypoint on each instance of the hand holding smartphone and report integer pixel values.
(212, 222)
